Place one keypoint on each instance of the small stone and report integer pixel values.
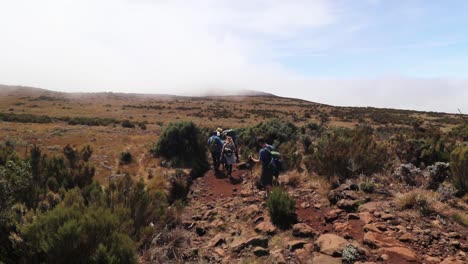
(407, 237)
(453, 235)
(265, 227)
(384, 257)
(455, 243)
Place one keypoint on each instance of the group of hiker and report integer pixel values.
(224, 148)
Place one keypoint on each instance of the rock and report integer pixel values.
(376, 240)
(452, 260)
(407, 237)
(386, 216)
(304, 205)
(265, 227)
(217, 223)
(353, 216)
(239, 244)
(302, 255)
(348, 205)
(371, 207)
(217, 240)
(330, 244)
(220, 252)
(366, 217)
(296, 244)
(433, 260)
(248, 212)
(303, 230)
(209, 215)
(246, 193)
(401, 252)
(384, 257)
(332, 215)
(371, 227)
(260, 252)
(455, 243)
(277, 257)
(325, 259)
(453, 235)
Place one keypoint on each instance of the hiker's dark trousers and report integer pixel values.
(215, 156)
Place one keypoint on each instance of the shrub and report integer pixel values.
(178, 186)
(128, 124)
(367, 187)
(437, 174)
(184, 145)
(90, 121)
(459, 165)
(346, 153)
(281, 208)
(74, 234)
(126, 157)
(350, 254)
(425, 151)
(418, 199)
(274, 131)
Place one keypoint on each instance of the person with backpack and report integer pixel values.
(229, 154)
(215, 146)
(232, 133)
(266, 159)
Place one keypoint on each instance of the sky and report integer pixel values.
(409, 54)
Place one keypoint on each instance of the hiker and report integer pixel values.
(232, 133)
(215, 146)
(229, 154)
(266, 178)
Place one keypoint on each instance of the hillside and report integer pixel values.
(366, 185)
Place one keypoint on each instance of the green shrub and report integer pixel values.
(459, 166)
(90, 121)
(274, 131)
(126, 157)
(184, 145)
(349, 152)
(367, 187)
(281, 208)
(76, 234)
(350, 254)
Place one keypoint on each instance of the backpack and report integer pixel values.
(228, 151)
(276, 163)
(213, 145)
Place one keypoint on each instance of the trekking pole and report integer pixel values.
(462, 116)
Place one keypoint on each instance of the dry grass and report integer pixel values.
(420, 199)
(461, 218)
(294, 179)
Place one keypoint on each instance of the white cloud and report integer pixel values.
(183, 47)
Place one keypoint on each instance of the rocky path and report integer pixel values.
(229, 223)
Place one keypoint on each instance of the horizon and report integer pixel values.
(398, 54)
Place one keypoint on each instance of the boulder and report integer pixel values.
(332, 215)
(303, 230)
(366, 217)
(348, 205)
(296, 244)
(239, 244)
(452, 260)
(260, 252)
(265, 227)
(399, 252)
(407, 237)
(322, 259)
(330, 244)
(376, 240)
(216, 240)
(277, 257)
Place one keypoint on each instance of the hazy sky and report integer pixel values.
(404, 54)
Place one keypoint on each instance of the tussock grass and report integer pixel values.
(418, 199)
